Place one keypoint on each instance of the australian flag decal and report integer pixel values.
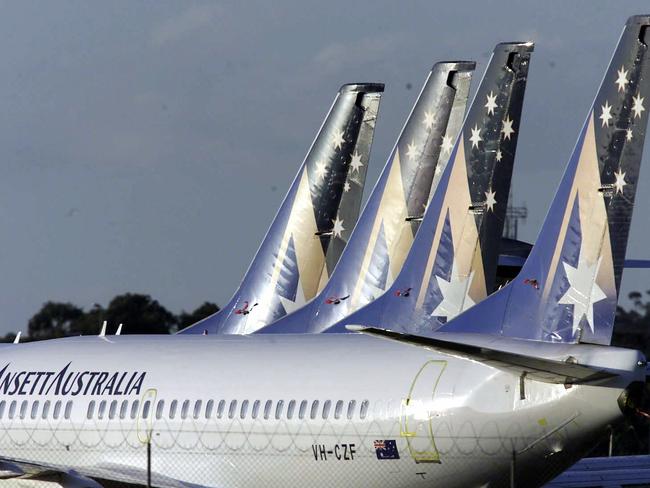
(386, 449)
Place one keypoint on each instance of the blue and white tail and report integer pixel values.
(382, 238)
(452, 263)
(306, 237)
(568, 288)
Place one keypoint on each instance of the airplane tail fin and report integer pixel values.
(568, 288)
(305, 236)
(393, 212)
(452, 262)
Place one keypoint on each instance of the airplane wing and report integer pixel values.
(540, 369)
(92, 477)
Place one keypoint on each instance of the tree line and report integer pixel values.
(139, 314)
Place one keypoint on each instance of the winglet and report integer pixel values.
(102, 333)
(119, 330)
(17, 339)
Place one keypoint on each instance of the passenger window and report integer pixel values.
(68, 409)
(145, 409)
(91, 410)
(160, 408)
(12, 409)
(314, 409)
(2, 408)
(256, 408)
(34, 409)
(124, 408)
(184, 409)
(57, 409)
(46, 409)
(172, 409)
(244, 409)
(208, 409)
(302, 409)
(101, 410)
(220, 408)
(267, 409)
(338, 410)
(134, 408)
(231, 410)
(197, 408)
(364, 409)
(352, 405)
(326, 409)
(113, 410)
(290, 408)
(23, 409)
(278, 409)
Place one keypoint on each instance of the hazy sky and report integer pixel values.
(145, 146)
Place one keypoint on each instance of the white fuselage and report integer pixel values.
(387, 414)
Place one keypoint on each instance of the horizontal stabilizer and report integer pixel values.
(518, 262)
(540, 369)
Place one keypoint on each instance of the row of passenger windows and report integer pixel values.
(49, 409)
(221, 409)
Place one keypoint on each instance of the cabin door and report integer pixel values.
(417, 410)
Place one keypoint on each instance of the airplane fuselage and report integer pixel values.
(311, 410)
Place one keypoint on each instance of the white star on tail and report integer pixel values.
(346, 187)
(620, 181)
(491, 103)
(476, 138)
(499, 155)
(637, 107)
(355, 162)
(628, 135)
(490, 201)
(507, 128)
(320, 170)
(622, 79)
(428, 120)
(410, 150)
(607, 114)
(583, 291)
(447, 145)
(337, 139)
(455, 294)
(338, 227)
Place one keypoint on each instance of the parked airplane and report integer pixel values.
(393, 211)
(513, 393)
(471, 203)
(306, 237)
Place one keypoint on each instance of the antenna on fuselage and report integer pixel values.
(17, 339)
(102, 333)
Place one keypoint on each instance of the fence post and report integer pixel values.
(149, 463)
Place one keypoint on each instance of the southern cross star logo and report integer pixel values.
(455, 294)
(583, 291)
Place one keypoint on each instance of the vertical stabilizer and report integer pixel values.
(389, 221)
(452, 263)
(567, 290)
(314, 221)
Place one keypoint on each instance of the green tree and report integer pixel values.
(185, 319)
(54, 320)
(139, 314)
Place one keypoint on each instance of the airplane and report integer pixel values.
(473, 202)
(393, 209)
(306, 237)
(508, 393)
